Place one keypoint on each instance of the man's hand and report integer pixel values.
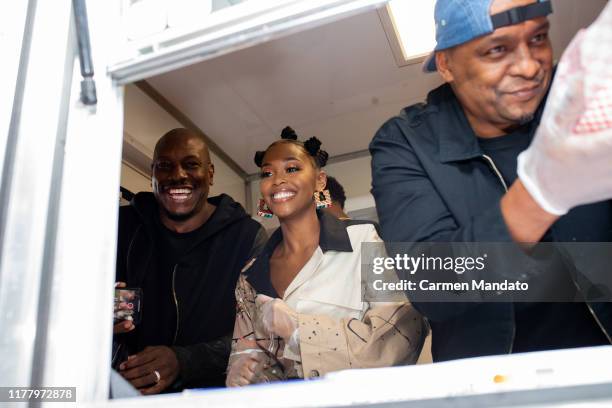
(277, 317)
(243, 370)
(126, 325)
(123, 327)
(527, 222)
(152, 370)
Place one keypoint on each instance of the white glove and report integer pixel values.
(244, 369)
(277, 317)
(569, 162)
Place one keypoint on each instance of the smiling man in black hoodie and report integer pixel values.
(185, 250)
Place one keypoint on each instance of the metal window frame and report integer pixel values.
(77, 344)
(253, 22)
(59, 209)
(12, 32)
(28, 188)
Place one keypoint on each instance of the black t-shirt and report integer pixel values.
(159, 307)
(543, 326)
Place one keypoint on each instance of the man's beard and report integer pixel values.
(525, 119)
(179, 217)
(519, 122)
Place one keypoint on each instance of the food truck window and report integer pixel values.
(237, 71)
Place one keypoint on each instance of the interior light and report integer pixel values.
(414, 24)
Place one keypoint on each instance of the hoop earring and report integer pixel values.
(263, 210)
(322, 199)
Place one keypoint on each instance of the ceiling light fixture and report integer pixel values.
(410, 28)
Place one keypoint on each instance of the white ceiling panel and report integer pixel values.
(339, 82)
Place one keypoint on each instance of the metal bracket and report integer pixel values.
(88, 86)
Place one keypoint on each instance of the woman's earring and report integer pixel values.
(263, 210)
(322, 199)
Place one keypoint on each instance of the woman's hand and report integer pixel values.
(243, 370)
(277, 317)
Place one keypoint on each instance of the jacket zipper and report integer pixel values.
(601, 327)
(175, 304)
(497, 173)
(503, 182)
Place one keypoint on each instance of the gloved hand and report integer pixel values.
(243, 370)
(277, 317)
(569, 162)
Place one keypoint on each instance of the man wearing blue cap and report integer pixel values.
(446, 171)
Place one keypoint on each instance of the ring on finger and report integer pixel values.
(157, 376)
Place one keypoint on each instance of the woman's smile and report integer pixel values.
(283, 196)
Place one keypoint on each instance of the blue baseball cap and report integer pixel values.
(460, 21)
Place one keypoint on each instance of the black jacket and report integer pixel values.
(203, 283)
(431, 182)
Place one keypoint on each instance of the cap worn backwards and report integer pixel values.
(460, 21)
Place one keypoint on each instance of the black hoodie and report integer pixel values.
(202, 284)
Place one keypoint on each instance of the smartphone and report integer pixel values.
(128, 305)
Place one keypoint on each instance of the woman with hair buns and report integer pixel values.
(299, 308)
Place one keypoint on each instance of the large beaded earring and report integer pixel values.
(263, 210)
(322, 199)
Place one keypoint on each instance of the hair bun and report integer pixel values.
(312, 146)
(321, 158)
(288, 133)
(259, 155)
